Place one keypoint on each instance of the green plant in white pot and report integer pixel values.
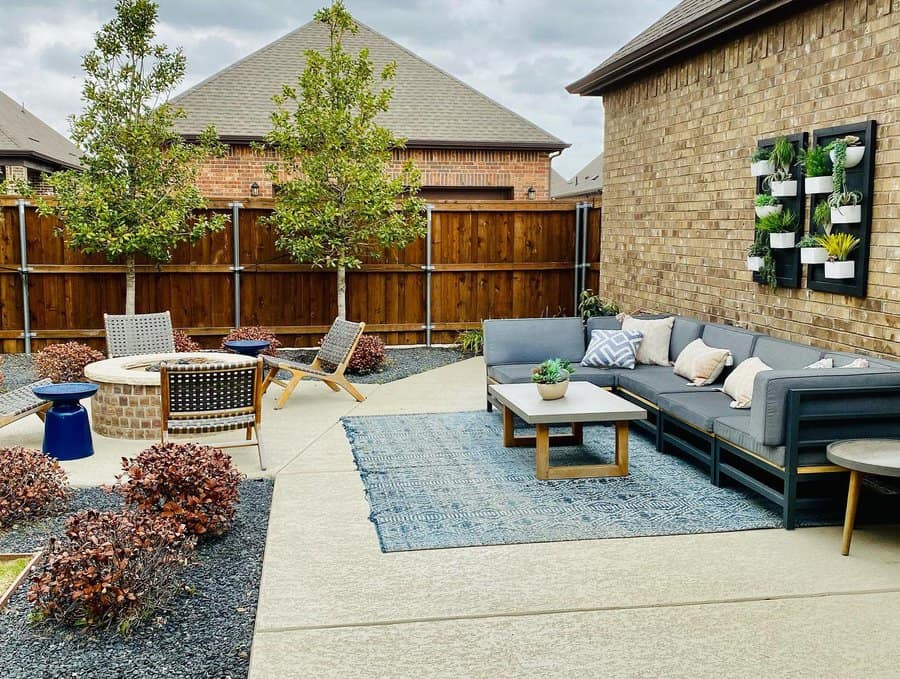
(756, 255)
(816, 169)
(760, 164)
(847, 151)
(764, 204)
(781, 227)
(845, 207)
(552, 378)
(839, 246)
(781, 182)
(811, 250)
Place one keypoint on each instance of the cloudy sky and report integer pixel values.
(520, 52)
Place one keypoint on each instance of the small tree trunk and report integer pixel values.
(129, 285)
(342, 292)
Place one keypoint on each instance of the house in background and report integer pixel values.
(466, 145)
(587, 183)
(30, 148)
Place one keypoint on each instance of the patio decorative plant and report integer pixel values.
(766, 204)
(839, 246)
(552, 378)
(254, 332)
(368, 357)
(822, 216)
(136, 192)
(844, 204)
(109, 569)
(32, 485)
(590, 305)
(183, 342)
(760, 165)
(781, 227)
(470, 341)
(815, 163)
(338, 203)
(781, 182)
(811, 250)
(186, 483)
(845, 207)
(65, 362)
(756, 254)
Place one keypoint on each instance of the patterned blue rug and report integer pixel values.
(445, 480)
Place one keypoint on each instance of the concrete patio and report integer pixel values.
(755, 603)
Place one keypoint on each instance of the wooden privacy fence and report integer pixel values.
(490, 259)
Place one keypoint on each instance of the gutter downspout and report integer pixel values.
(550, 157)
(23, 272)
(236, 267)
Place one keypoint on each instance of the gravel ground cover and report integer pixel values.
(205, 631)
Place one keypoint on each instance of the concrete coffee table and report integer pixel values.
(582, 403)
(862, 456)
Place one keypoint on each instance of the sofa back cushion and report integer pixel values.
(842, 359)
(782, 355)
(602, 323)
(738, 341)
(685, 331)
(532, 340)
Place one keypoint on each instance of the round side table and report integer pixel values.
(247, 347)
(862, 456)
(67, 431)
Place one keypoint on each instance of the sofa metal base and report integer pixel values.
(688, 439)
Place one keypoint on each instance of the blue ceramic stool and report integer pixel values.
(247, 347)
(67, 431)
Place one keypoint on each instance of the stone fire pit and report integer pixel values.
(127, 404)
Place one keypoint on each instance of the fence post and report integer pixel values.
(23, 274)
(585, 227)
(428, 268)
(576, 259)
(236, 267)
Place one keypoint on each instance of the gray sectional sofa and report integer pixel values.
(777, 447)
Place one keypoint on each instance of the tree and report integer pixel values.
(137, 193)
(337, 201)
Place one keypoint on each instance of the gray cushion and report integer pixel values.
(649, 381)
(519, 373)
(841, 359)
(738, 341)
(770, 388)
(700, 409)
(781, 355)
(532, 340)
(684, 331)
(736, 430)
(602, 323)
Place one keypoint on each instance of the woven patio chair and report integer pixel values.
(21, 402)
(336, 350)
(208, 398)
(139, 334)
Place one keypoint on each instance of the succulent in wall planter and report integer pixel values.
(781, 227)
(781, 185)
(756, 255)
(766, 205)
(848, 151)
(760, 165)
(811, 250)
(781, 182)
(816, 170)
(552, 378)
(839, 246)
(845, 207)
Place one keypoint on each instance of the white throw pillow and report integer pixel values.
(654, 349)
(701, 363)
(858, 363)
(739, 384)
(821, 363)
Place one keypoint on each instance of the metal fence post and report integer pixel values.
(428, 268)
(585, 227)
(577, 255)
(23, 274)
(236, 267)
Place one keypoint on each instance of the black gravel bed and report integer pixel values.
(204, 631)
(17, 371)
(400, 362)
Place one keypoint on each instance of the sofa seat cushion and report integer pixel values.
(519, 373)
(736, 430)
(649, 381)
(700, 409)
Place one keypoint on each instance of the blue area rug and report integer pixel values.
(446, 480)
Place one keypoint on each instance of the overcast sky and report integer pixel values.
(520, 52)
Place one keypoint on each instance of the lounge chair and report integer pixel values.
(139, 334)
(21, 402)
(336, 350)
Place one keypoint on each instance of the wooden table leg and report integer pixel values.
(509, 428)
(622, 446)
(850, 516)
(577, 433)
(542, 452)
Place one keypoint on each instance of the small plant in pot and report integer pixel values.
(811, 250)
(552, 378)
(839, 246)
(781, 227)
(760, 164)
(816, 169)
(845, 207)
(781, 182)
(766, 205)
(847, 152)
(756, 254)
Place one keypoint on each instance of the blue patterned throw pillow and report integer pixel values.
(612, 349)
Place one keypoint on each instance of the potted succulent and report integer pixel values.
(552, 378)
(760, 165)
(756, 254)
(766, 205)
(839, 246)
(811, 250)
(781, 182)
(845, 207)
(848, 151)
(781, 227)
(814, 162)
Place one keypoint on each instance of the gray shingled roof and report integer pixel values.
(430, 107)
(22, 134)
(587, 180)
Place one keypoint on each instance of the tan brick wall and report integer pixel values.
(232, 175)
(678, 197)
(126, 411)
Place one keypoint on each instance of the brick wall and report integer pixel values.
(678, 197)
(232, 175)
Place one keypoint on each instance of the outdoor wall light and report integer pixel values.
(530, 193)
(254, 189)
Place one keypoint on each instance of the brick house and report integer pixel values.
(586, 184)
(687, 100)
(466, 145)
(29, 148)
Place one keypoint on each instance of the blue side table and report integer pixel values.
(247, 347)
(67, 431)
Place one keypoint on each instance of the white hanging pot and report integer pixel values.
(786, 189)
(846, 214)
(840, 269)
(781, 241)
(813, 255)
(754, 263)
(819, 184)
(854, 156)
(766, 210)
(761, 168)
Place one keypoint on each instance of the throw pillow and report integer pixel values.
(701, 363)
(858, 363)
(654, 349)
(612, 349)
(739, 384)
(822, 363)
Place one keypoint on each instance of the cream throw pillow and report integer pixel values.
(701, 363)
(739, 384)
(654, 349)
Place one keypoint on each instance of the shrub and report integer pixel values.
(32, 485)
(186, 482)
(368, 356)
(254, 332)
(183, 342)
(590, 305)
(65, 362)
(470, 341)
(110, 568)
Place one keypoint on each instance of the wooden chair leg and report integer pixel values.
(249, 432)
(345, 384)
(331, 385)
(270, 377)
(259, 448)
(288, 390)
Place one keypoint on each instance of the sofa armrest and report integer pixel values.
(532, 340)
